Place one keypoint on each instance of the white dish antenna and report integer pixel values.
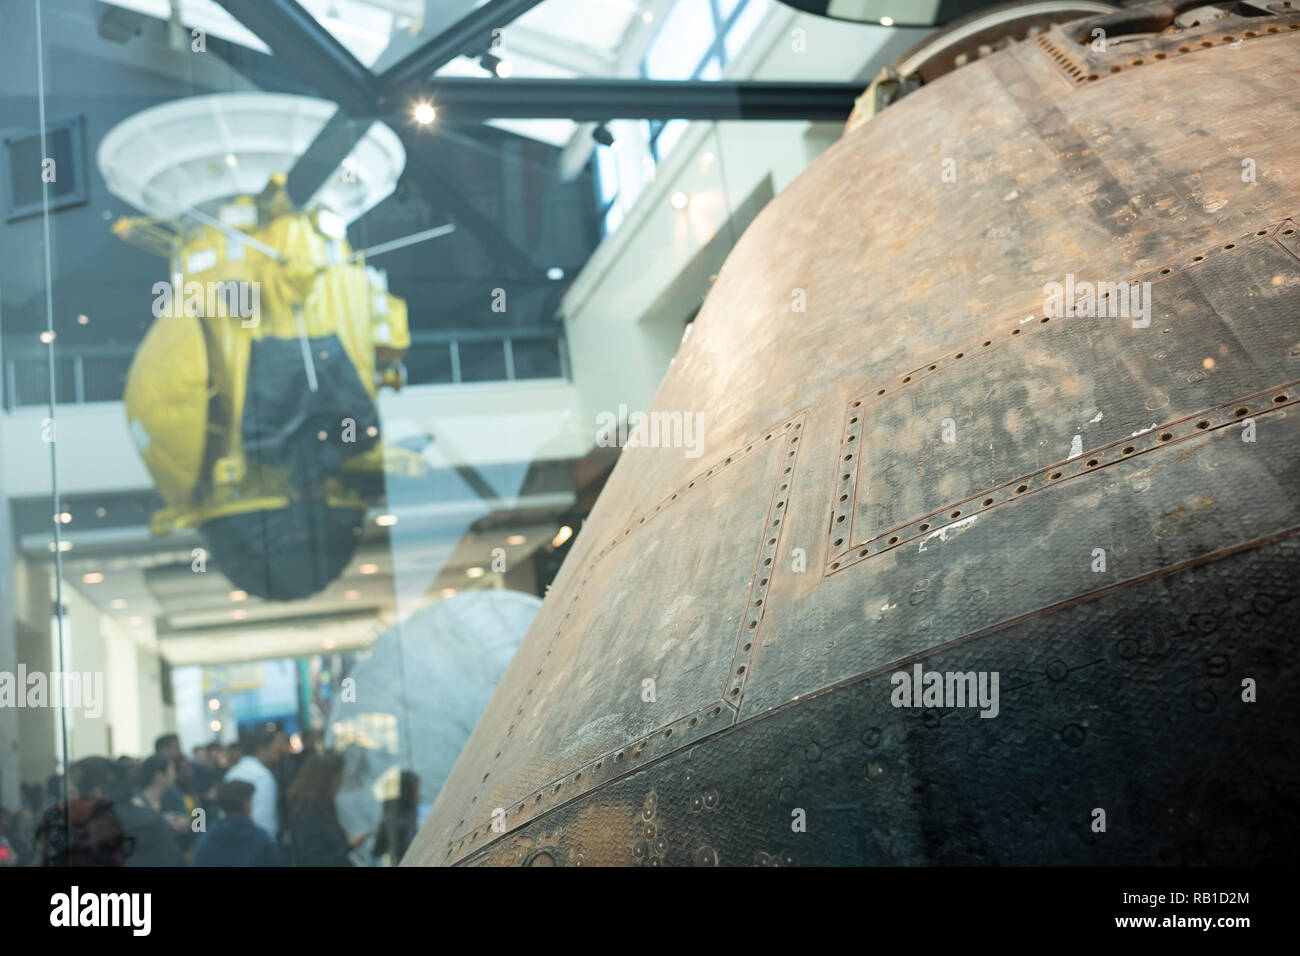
(203, 149)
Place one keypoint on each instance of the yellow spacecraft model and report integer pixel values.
(252, 397)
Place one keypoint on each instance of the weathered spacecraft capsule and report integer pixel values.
(933, 465)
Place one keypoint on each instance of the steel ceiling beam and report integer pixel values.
(310, 51)
(472, 33)
(468, 99)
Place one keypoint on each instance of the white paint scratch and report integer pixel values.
(954, 529)
(1028, 318)
(1143, 431)
(1095, 419)
(1076, 447)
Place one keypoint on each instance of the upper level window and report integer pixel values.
(695, 42)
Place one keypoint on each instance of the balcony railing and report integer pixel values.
(98, 373)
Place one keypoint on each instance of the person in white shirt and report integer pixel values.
(260, 752)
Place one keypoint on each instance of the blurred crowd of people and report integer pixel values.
(257, 804)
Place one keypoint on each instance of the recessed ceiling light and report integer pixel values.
(448, 592)
(215, 726)
(232, 159)
(504, 69)
(83, 319)
(63, 545)
(239, 614)
(214, 704)
(47, 337)
(351, 594)
(369, 569)
(386, 521)
(238, 595)
(516, 539)
(886, 21)
(100, 512)
(561, 536)
(92, 577)
(474, 572)
(117, 604)
(425, 114)
(679, 200)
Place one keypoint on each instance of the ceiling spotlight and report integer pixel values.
(63, 517)
(47, 337)
(602, 135)
(232, 159)
(679, 200)
(516, 539)
(425, 114)
(474, 572)
(561, 536)
(647, 16)
(369, 569)
(886, 21)
(83, 319)
(239, 614)
(448, 592)
(100, 512)
(555, 273)
(372, 431)
(215, 726)
(329, 644)
(214, 704)
(63, 545)
(238, 595)
(503, 69)
(386, 521)
(93, 577)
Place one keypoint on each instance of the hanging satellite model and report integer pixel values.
(252, 397)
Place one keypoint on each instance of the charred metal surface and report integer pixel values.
(922, 467)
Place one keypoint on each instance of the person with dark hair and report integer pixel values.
(233, 839)
(15, 838)
(126, 770)
(231, 754)
(398, 826)
(89, 834)
(205, 772)
(179, 798)
(316, 837)
(261, 751)
(13, 851)
(94, 777)
(155, 832)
